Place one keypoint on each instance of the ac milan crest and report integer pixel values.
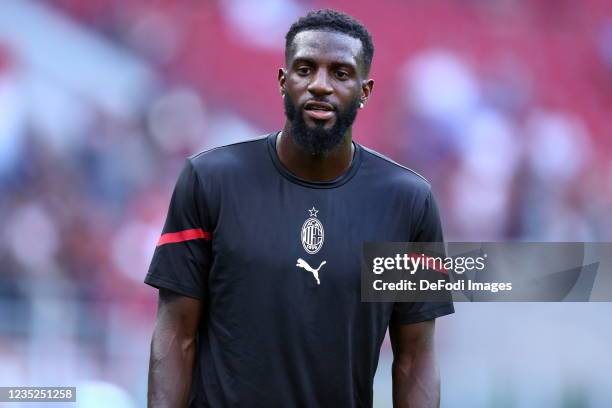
(312, 234)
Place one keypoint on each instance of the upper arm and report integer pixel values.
(409, 339)
(183, 255)
(429, 225)
(177, 314)
(412, 324)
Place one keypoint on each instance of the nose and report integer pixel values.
(320, 84)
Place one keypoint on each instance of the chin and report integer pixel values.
(321, 126)
(318, 125)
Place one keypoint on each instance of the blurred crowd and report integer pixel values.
(505, 106)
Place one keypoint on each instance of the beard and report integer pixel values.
(317, 140)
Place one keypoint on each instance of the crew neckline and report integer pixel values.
(337, 182)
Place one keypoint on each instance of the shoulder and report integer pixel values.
(231, 156)
(394, 174)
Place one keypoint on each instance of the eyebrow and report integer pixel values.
(311, 61)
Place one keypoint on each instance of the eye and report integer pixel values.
(342, 75)
(303, 70)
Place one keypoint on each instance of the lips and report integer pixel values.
(319, 110)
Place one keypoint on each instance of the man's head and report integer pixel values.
(328, 56)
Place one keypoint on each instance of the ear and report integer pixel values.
(366, 89)
(282, 78)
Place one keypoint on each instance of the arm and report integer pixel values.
(173, 350)
(416, 380)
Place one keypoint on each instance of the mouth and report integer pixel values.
(319, 110)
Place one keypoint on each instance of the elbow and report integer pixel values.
(402, 365)
(187, 343)
(421, 361)
(172, 340)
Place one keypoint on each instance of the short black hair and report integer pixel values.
(333, 21)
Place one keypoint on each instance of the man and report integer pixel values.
(258, 266)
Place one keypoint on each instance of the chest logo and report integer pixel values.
(304, 265)
(312, 233)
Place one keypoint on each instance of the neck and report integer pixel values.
(309, 167)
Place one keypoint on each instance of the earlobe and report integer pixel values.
(366, 91)
(366, 88)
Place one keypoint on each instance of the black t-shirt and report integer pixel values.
(276, 261)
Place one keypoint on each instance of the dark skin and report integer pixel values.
(319, 65)
(416, 379)
(173, 349)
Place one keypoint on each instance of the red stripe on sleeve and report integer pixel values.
(181, 236)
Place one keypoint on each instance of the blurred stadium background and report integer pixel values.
(505, 105)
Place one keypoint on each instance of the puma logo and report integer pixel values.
(303, 264)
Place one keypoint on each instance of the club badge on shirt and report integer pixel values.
(312, 235)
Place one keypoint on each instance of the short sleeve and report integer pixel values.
(182, 257)
(428, 229)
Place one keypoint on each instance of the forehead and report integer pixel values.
(316, 44)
